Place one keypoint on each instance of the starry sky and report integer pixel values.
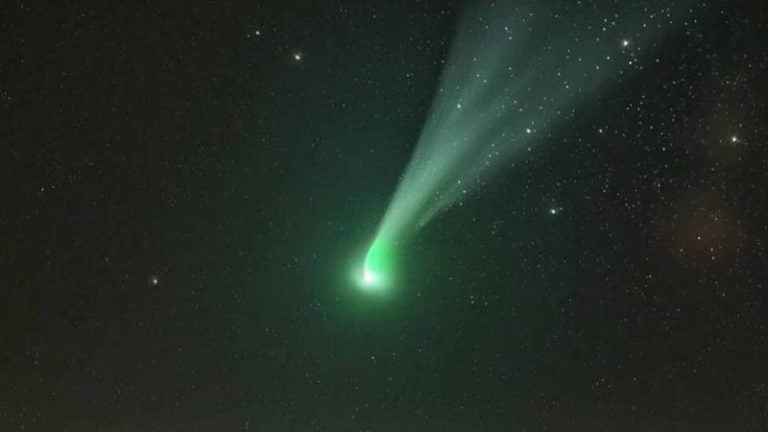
(184, 187)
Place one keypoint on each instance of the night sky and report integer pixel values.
(186, 186)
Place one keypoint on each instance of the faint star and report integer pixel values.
(154, 281)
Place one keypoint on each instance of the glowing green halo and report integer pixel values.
(377, 272)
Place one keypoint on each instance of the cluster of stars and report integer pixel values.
(297, 56)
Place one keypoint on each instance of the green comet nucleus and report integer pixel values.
(378, 267)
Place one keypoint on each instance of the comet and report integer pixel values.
(516, 70)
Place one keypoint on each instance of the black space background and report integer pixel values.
(182, 141)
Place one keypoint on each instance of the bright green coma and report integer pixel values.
(378, 268)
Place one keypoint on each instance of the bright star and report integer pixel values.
(625, 43)
(297, 56)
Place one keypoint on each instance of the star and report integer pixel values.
(297, 56)
(154, 281)
(625, 43)
(734, 139)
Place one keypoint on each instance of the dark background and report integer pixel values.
(181, 201)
